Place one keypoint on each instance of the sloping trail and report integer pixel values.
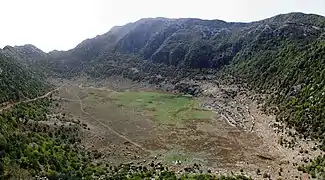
(30, 100)
(108, 127)
(82, 109)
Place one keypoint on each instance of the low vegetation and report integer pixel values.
(40, 148)
(316, 168)
(163, 107)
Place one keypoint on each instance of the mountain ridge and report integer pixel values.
(162, 36)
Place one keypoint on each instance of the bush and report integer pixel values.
(3, 142)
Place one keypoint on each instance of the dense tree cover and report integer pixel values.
(26, 54)
(40, 148)
(17, 82)
(316, 169)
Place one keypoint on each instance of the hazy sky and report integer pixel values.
(62, 24)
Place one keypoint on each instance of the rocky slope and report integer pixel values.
(195, 43)
(27, 53)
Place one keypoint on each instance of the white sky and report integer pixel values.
(62, 24)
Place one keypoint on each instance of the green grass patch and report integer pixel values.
(172, 158)
(166, 108)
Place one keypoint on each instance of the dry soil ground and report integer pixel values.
(237, 137)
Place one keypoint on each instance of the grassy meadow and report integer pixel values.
(163, 107)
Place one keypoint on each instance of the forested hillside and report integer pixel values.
(294, 73)
(18, 82)
(26, 54)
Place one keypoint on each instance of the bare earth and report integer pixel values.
(239, 138)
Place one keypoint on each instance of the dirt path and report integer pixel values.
(106, 126)
(240, 137)
(227, 120)
(30, 100)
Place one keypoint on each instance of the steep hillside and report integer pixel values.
(194, 43)
(17, 82)
(29, 57)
